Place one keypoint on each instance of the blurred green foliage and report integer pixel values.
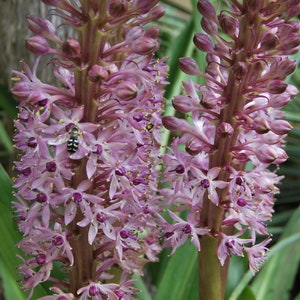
(176, 277)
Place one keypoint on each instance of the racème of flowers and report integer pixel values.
(86, 184)
(88, 177)
(220, 166)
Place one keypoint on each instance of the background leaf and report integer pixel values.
(180, 275)
(276, 279)
(9, 238)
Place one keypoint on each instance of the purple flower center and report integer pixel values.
(121, 171)
(146, 210)
(119, 293)
(93, 290)
(239, 180)
(26, 172)
(138, 181)
(69, 126)
(43, 102)
(31, 142)
(205, 183)
(77, 197)
(99, 149)
(101, 217)
(41, 259)
(187, 229)
(229, 244)
(41, 197)
(241, 202)
(58, 241)
(150, 241)
(124, 233)
(169, 234)
(138, 118)
(27, 277)
(179, 169)
(51, 166)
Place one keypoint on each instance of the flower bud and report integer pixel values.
(277, 86)
(22, 90)
(63, 75)
(209, 26)
(189, 66)
(126, 90)
(280, 127)
(203, 42)
(260, 125)
(172, 123)
(228, 24)
(144, 45)
(37, 45)
(117, 8)
(42, 27)
(270, 154)
(156, 13)
(225, 129)
(134, 33)
(193, 147)
(153, 32)
(269, 42)
(183, 104)
(97, 73)
(290, 45)
(52, 2)
(71, 47)
(285, 68)
(143, 6)
(207, 9)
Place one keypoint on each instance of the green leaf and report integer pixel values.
(8, 249)
(247, 294)
(283, 245)
(144, 294)
(7, 102)
(180, 275)
(237, 267)
(10, 286)
(277, 276)
(5, 139)
(298, 297)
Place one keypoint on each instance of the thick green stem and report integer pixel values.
(212, 276)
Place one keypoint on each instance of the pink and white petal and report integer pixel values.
(70, 213)
(213, 172)
(91, 166)
(92, 232)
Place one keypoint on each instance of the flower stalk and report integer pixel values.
(225, 181)
(86, 184)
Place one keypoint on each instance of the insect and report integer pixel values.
(72, 144)
(149, 126)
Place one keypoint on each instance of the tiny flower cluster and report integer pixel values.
(218, 167)
(86, 179)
